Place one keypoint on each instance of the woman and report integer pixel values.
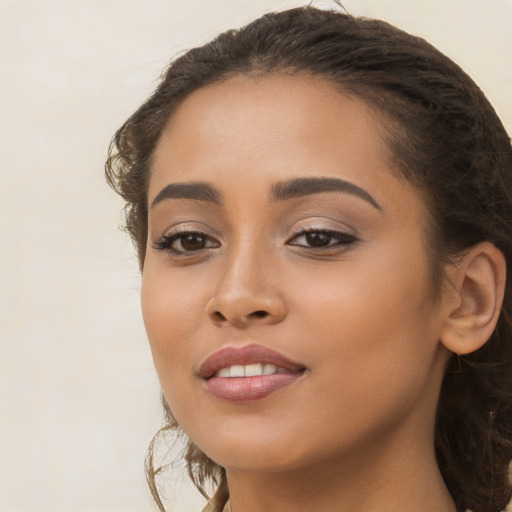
(322, 209)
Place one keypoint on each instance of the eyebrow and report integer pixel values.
(282, 191)
(306, 186)
(194, 190)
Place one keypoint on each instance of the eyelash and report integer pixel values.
(342, 239)
(167, 241)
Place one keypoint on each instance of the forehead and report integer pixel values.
(283, 106)
(262, 128)
(296, 101)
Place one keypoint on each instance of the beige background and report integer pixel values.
(79, 398)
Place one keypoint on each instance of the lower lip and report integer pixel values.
(248, 389)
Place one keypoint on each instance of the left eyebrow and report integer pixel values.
(306, 186)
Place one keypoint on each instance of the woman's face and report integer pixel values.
(286, 290)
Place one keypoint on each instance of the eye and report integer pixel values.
(322, 239)
(186, 242)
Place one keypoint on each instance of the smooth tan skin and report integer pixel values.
(355, 433)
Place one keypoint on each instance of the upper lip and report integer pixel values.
(248, 354)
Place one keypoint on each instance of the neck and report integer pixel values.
(400, 477)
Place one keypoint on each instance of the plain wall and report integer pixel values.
(79, 396)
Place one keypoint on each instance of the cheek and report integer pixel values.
(372, 322)
(172, 308)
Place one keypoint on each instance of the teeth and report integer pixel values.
(251, 370)
(269, 369)
(248, 370)
(237, 371)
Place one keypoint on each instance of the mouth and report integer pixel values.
(252, 372)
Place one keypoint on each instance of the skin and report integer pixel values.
(355, 432)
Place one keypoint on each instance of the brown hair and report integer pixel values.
(445, 138)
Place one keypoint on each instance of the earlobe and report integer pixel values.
(478, 281)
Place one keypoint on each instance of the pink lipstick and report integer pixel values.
(252, 372)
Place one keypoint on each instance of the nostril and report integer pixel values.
(219, 316)
(260, 314)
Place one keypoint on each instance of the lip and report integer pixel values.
(243, 389)
(248, 354)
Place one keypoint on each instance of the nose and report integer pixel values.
(247, 292)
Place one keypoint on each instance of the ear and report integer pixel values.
(478, 282)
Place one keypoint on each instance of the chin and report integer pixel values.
(258, 452)
(257, 461)
(248, 449)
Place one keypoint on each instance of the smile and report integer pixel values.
(250, 370)
(248, 373)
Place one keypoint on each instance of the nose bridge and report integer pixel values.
(247, 288)
(245, 263)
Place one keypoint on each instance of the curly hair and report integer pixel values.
(445, 139)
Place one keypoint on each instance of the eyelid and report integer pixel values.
(188, 227)
(323, 224)
(341, 234)
(171, 235)
(341, 238)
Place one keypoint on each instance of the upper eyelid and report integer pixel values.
(324, 225)
(190, 227)
(296, 232)
(318, 224)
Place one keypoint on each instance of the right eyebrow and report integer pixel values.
(198, 190)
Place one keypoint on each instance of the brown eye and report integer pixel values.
(322, 239)
(188, 242)
(318, 239)
(191, 242)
